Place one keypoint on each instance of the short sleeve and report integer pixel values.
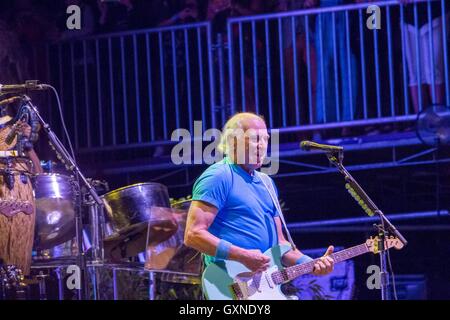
(213, 186)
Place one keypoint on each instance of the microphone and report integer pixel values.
(30, 85)
(10, 100)
(309, 145)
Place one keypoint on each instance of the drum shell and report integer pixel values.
(53, 185)
(17, 231)
(55, 209)
(132, 204)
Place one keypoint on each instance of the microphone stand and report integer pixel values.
(385, 227)
(66, 158)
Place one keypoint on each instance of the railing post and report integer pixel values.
(220, 46)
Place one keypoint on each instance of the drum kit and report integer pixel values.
(137, 221)
(123, 224)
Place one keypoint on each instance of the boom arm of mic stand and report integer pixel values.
(69, 161)
(363, 195)
(60, 149)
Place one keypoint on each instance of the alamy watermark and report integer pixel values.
(73, 22)
(374, 280)
(374, 20)
(74, 279)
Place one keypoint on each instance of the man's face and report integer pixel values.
(251, 147)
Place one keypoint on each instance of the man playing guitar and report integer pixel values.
(232, 215)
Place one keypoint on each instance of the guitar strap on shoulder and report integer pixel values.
(269, 186)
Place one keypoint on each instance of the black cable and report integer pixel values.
(79, 198)
(392, 275)
(61, 115)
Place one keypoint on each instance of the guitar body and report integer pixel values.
(218, 278)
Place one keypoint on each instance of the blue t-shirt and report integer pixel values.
(246, 211)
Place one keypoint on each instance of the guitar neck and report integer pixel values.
(293, 272)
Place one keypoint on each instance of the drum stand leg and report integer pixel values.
(151, 286)
(60, 284)
(96, 214)
(97, 234)
(95, 275)
(83, 291)
(42, 287)
(115, 293)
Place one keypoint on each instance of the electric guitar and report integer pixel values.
(231, 280)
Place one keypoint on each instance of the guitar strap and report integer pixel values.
(269, 186)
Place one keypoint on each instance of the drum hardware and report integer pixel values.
(182, 203)
(41, 278)
(96, 219)
(13, 206)
(8, 175)
(64, 156)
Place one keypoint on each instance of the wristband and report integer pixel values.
(303, 259)
(223, 250)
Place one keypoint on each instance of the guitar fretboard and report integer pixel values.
(293, 272)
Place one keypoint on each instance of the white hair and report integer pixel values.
(232, 127)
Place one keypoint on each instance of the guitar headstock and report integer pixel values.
(389, 242)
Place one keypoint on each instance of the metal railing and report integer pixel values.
(351, 73)
(303, 70)
(132, 88)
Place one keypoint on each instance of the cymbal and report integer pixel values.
(132, 240)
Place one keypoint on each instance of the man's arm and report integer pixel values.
(200, 217)
(290, 258)
(25, 129)
(323, 266)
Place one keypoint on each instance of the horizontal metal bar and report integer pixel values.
(362, 167)
(303, 12)
(168, 165)
(304, 165)
(354, 123)
(330, 230)
(141, 31)
(281, 130)
(365, 220)
(417, 155)
(357, 145)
